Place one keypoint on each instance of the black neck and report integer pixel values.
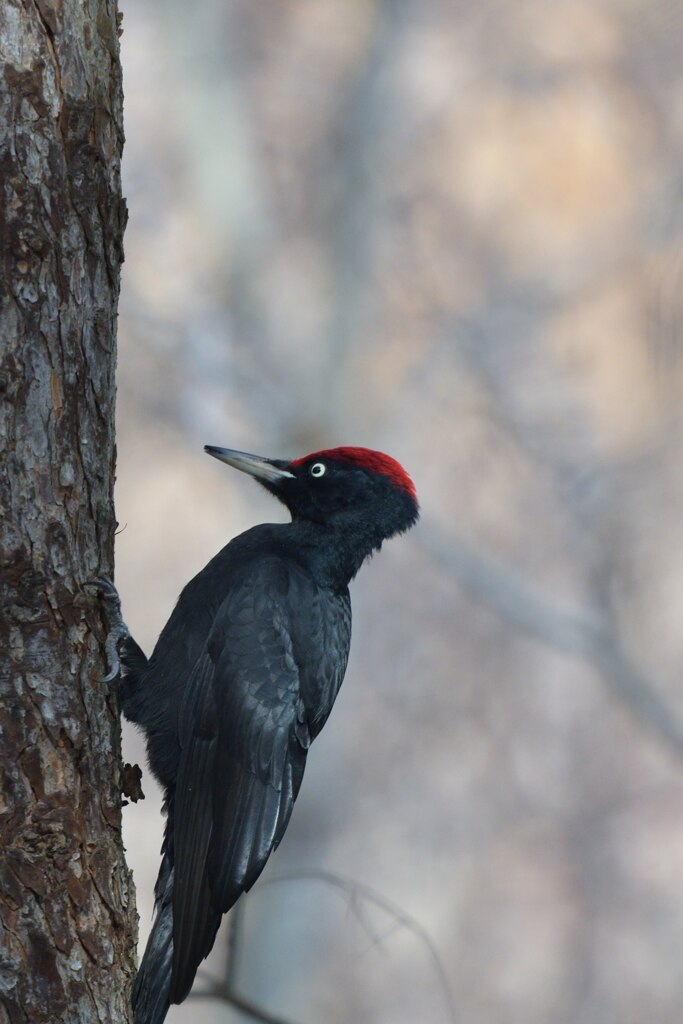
(333, 552)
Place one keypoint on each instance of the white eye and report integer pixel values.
(317, 469)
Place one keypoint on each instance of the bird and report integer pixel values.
(242, 679)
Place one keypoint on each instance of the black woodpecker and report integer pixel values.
(241, 681)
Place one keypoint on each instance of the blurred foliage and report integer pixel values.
(451, 231)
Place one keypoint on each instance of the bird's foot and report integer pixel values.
(117, 630)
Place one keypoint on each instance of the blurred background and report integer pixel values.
(453, 232)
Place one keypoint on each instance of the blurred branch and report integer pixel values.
(357, 159)
(235, 929)
(225, 991)
(356, 892)
(577, 631)
(227, 995)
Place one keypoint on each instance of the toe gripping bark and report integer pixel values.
(117, 630)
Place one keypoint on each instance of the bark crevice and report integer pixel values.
(67, 910)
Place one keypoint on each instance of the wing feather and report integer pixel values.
(193, 914)
(261, 689)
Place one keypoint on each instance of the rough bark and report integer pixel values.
(67, 915)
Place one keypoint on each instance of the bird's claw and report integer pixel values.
(104, 586)
(117, 630)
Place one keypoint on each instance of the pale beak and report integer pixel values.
(270, 470)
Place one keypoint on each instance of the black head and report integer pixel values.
(362, 492)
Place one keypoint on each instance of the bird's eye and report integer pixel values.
(317, 469)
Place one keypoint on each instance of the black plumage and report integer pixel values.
(242, 679)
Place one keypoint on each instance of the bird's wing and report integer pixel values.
(244, 734)
(191, 820)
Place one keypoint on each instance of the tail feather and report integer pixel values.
(152, 988)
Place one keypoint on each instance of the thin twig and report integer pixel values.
(239, 1003)
(355, 891)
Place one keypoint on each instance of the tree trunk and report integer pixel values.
(67, 913)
